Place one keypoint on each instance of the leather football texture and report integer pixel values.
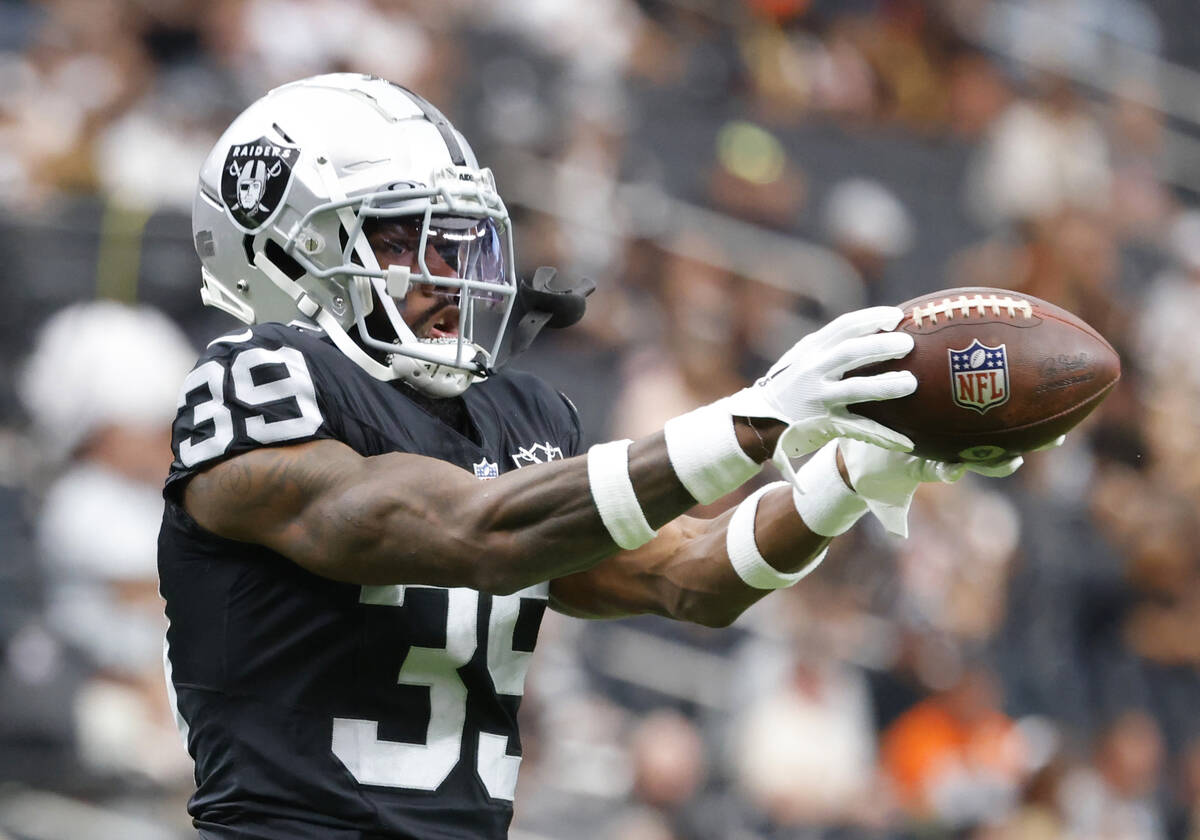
(998, 373)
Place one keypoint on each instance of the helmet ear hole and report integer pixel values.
(282, 261)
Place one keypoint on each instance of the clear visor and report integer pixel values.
(460, 287)
(453, 249)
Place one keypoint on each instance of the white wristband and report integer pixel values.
(706, 455)
(827, 506)
(612, 491)
(743, 551)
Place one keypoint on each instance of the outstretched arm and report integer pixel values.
(403, 518)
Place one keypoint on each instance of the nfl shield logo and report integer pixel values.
(979, 376)
(486, 469)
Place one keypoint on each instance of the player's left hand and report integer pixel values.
(887, 480)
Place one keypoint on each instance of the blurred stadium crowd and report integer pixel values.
(732, 174)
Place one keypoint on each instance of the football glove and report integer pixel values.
(805, 388)
(886, 481)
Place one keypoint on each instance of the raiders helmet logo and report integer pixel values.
(255, 181)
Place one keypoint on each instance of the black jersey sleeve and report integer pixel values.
(249, 389)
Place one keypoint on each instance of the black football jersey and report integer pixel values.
(319, 709)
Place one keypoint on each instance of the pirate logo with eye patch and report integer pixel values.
(255, 181)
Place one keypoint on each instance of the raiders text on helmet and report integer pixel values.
(255, 180)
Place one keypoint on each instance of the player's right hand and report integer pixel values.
(886, 481)
(806, 390)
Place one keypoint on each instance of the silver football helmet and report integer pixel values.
(305, 181)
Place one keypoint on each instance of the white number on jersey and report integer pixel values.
(297, 385)
(212, 376)
(425, 766)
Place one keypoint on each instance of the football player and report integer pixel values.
(367, 516)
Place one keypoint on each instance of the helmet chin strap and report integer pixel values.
(324, 318)
(431, 379)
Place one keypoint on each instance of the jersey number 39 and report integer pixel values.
(373, 761)
(294, 389)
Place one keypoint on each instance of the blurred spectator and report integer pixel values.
(1083, 38)
(978, 93)
(1165, 337)
(1171, 308)
(282, 40)
(869, 226)
(100, 387)
(1041, 156)
(1039, 816)
(596, 40)
(669, 767)
(1159, 534)
(1115, 798)
(586, 187)
(1137, 126)
(956, 758)
(795, 71)
(149, 156)
(84, 66)
(906, 42)
(694, 358)
(804, 750)
(954, 567)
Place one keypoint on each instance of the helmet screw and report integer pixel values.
(242, 286)
(339, 305)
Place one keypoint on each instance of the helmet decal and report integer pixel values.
(255, 180)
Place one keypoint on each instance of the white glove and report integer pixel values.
(886, 481)
(805, 388)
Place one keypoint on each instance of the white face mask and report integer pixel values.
(98, 535)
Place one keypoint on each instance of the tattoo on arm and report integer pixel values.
(403, 518)
(234, 478)
(255, 495)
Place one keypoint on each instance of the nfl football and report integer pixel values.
(998, 373)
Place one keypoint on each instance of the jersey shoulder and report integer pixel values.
(259, 386)
(519, 393)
